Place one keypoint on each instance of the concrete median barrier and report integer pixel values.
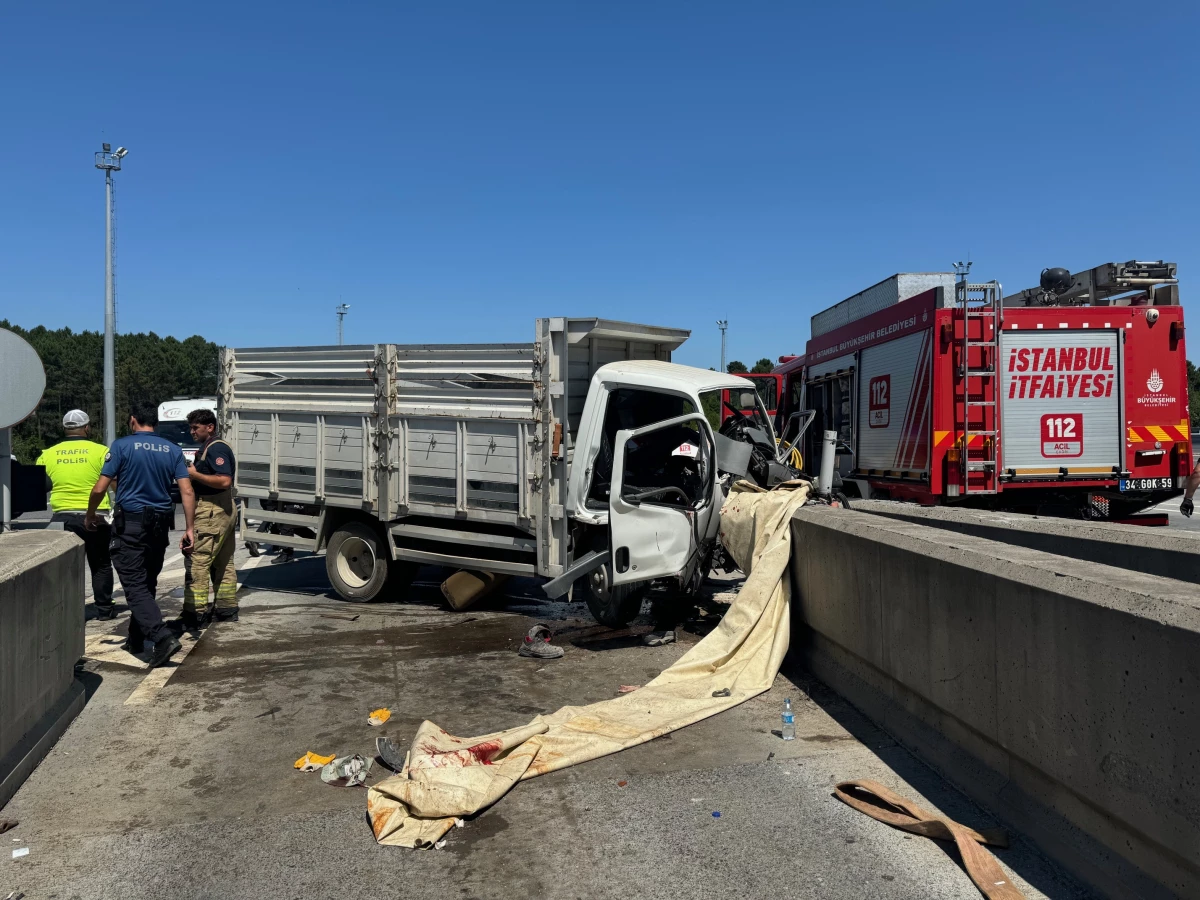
(1155, 551)
(1063, 694)
(41, 638)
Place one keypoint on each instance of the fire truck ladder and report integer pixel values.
(982, 303)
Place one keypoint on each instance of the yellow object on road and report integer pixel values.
(310, 761)
(379, 716)
(446, 777)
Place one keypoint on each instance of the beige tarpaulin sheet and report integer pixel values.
(446, 777)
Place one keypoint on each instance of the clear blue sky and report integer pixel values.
(453, 170)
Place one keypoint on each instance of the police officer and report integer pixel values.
(143, 466)
(212, 555)
(72, 467)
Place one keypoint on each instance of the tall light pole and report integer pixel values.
(723, 324)
(110, 162)
(341, 309)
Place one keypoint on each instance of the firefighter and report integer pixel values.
(212, 556)
(143, 465)
(72, 467)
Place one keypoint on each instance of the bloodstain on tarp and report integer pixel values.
(477, 754)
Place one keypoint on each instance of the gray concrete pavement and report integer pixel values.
(186, 788)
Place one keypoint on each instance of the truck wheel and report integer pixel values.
(614, 605)
(356, 561)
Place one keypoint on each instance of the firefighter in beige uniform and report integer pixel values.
(212, 556)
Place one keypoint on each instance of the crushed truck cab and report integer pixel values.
(584, 456)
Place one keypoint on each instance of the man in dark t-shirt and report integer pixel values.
(211, 558)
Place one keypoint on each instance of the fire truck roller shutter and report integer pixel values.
(1061, 400)
(895, 403)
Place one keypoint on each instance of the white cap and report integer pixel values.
(76, 418)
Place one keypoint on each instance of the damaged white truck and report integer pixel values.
(585, 455)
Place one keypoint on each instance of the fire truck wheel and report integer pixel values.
(614, 605)
(357, 562)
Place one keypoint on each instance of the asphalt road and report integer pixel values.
(185, 787)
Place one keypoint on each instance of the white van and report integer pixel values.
(173, 423)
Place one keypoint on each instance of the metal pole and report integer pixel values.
(110, 318)
(5, 479)
(341, 309)
(722, 324)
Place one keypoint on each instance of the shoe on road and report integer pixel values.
(105, 611)
(163, 650)
(225, 615)
(537, 644)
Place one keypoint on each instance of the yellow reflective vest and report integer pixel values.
(73, 467)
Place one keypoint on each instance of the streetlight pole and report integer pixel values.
(723, 324)
(110, 162)
(341, 309)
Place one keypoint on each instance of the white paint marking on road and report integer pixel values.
(107, 648)
(152, 684)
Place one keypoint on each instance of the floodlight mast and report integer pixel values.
(110, 162)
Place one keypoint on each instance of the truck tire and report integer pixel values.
(614, 605)
(357, 562)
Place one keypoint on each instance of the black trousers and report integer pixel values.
(139, 542)
(95, 545)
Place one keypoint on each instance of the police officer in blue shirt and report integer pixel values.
(143, 465)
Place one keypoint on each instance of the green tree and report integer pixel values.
(763, 365)
(736, 367)
(1193, 377)
(150, 369)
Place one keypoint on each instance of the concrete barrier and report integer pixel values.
(1062, 694)
(41, 638)
(1156, 551)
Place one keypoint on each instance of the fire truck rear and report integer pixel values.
(1065, 399)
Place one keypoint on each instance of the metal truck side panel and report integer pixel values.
(1060, 401)
(894, 405)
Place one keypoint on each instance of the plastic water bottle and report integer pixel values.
(789, 721)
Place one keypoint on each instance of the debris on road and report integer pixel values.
(8, 825)
(865, 796)
(622, 783)
(716, 814)
(723, 692)
(389, 754)
(447, 777)
(19, 852)
(347, 771)
(537, 644)
(310, 761)
(628, 688)
(658, 638)
(379, 716)
(464, 589)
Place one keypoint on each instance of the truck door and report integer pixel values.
(662, 498)
(1061, 402)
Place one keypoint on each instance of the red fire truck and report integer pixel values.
(1065, 399)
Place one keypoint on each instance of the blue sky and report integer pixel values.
(453, 170)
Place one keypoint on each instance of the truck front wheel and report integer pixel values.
(357, 562)
(614, 605)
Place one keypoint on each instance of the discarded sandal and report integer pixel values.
(537, 644)
(658, 638)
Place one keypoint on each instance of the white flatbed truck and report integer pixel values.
(488, 457)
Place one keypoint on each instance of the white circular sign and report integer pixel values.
(22, 379)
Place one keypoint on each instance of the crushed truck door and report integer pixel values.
(662, 497)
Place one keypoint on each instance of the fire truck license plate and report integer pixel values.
(1146, 484)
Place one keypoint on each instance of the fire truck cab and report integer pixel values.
(1065, 399)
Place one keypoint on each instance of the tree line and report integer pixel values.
(150, 370)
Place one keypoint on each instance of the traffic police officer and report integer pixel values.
(143, 466)
(212, 555)
(72, 467)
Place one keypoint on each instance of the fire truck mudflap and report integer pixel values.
(1061, 395)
